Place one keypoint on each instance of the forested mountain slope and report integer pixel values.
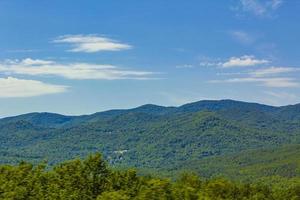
(152, 137)
(248, 165)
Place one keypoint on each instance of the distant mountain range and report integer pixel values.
(209, 137)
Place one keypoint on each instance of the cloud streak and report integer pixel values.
(274, 77)
(273, 71)
(77, 71)
(91, 43)
(259, 8)
(13, 87)
(281, 82)
(243, 61)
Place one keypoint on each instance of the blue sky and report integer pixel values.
(79, 57)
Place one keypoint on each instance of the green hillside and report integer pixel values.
(92, 179)
(282, 161)
(201, 136)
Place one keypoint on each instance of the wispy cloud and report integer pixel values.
(281, 95)
(273, 71)
(91, 43)
(277, 97)
(276, 82)
(242, 37)
(29, 62)
(243, 61)
(22, 50)
(263, 72)
(206, 61)
(14, 87)
(209, 64)
(276, 77)
(274, 4)
(79, 71)
(259, 8)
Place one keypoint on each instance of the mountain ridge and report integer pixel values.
(151, 136)
(144, 106)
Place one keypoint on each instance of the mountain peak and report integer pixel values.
(152, 109)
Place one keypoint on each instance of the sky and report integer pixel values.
(80, 57)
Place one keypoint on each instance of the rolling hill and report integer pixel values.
(196, 136)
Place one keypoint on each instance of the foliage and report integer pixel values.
(92, 179)
(204, 137)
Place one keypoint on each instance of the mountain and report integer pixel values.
(152, 137)
(39, 119)
(251, 164)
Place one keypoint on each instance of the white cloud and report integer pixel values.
(276, 82)
(29, 61)
(13, 87)
(263, 72)
(244, 61)
(268, 77)
(79, 71)
(273, 71)
(91, 43)
(260, 8)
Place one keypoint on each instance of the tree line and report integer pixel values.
(92, 178)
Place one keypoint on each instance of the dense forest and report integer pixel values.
(235, 139)
(93, 179)
(203, 150)
(150, 100)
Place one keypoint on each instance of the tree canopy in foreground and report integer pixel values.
(93, 179)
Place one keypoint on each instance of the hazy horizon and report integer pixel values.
(128, 108)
